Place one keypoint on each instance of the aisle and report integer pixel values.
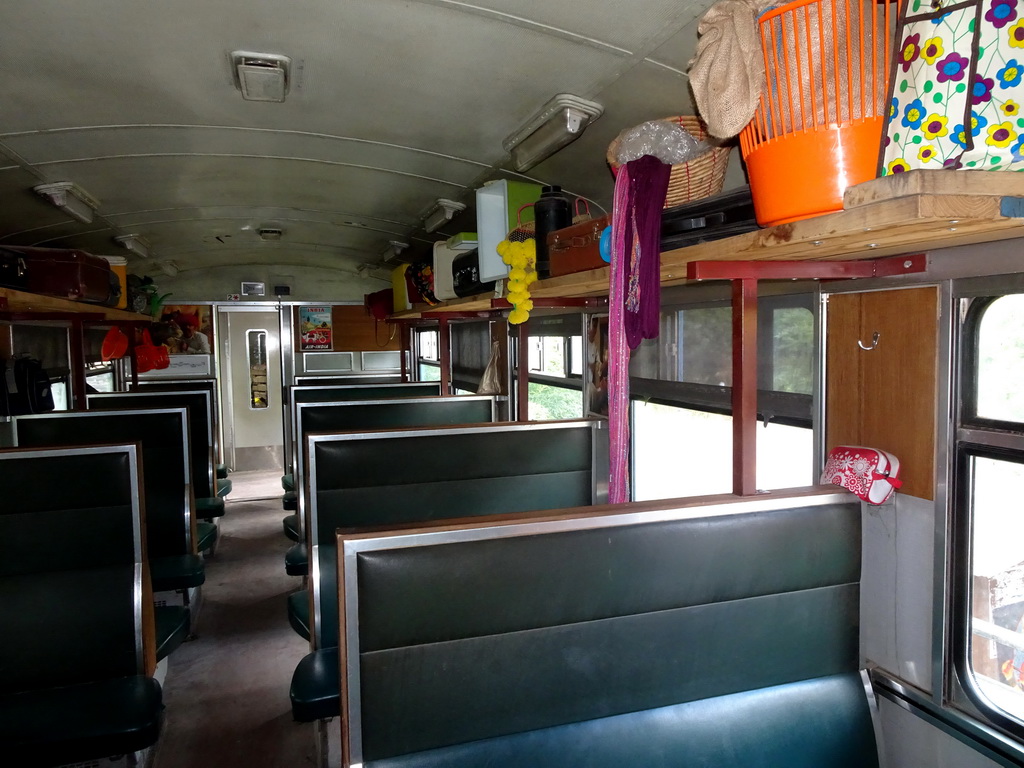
(226, 692)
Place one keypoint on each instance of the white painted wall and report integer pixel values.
(897, 574)
(910, 742)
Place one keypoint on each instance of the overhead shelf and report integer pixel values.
(34, 303)
(904, 213)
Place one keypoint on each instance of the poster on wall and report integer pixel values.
(597, 366)
(314, 329)
(185, 329)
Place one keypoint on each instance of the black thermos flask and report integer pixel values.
(550, 213)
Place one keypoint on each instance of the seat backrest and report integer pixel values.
(178, 385)
(200, 421)
(408, 476)
(72, 593)
(163, 435)
(553, 623)
(366, 415)
(330, 394)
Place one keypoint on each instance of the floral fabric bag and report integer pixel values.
(957, 87)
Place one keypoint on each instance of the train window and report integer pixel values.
(680, 385)
(988, 559)
(428, 355)
(256, 341)
(554, 358)
(1000, 360)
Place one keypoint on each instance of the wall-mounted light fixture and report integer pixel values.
(71, 199)
(134, 243)
(261, 76)
(440, 213)
(392, 252)
(558, 123)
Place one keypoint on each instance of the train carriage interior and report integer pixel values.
(434, 384)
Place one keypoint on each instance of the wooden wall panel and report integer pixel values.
(355, 331)
(886, 397)
(842, 401)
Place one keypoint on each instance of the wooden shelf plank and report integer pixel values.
(906, 213)
(19, 301)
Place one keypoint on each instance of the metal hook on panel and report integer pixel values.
(874, 342)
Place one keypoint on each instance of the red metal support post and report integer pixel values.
(76, 347)
(522, 373)
(444, 339)
(744, 387)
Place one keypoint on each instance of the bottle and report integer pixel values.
(550, 213)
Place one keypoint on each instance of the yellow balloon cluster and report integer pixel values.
(522, 258)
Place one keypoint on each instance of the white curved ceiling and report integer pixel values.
(393, 104)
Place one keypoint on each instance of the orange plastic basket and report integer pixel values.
(820, 119)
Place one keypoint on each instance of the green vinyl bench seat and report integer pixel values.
(209, 507)
(290, 501)
(314, 689)
(206, 536)
(221, 471)
(296, 560)
(78, 648)
(223, 487)
(290, 524)
(664, 637)
(177, 572)
(82, 722)
(288, 482)
(298, 614)
(172, 626)
(163, 436)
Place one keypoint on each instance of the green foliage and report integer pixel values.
(549, 402)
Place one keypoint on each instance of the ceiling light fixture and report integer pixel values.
(72, 200)
(440, 213)
(169, 268)
(134, 243)
(558, 123)
(270, 234)
(261, 76)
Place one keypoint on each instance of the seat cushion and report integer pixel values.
(206, 536)
(291, 527)
(288, 482)
(290, 501)
(82, 722)
(223, 487)
(171, 628)
(314, 692)
(298, 612)
(296, 560)
(212, 506)
(222, 471)
(178, 572)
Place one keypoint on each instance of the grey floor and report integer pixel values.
(226, 692)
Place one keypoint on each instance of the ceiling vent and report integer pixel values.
(261, 76)
(270, 234)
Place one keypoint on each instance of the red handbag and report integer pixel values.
(869, 473)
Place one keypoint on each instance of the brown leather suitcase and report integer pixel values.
(577, 248)
(70, 274)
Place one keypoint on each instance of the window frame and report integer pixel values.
(981, 437)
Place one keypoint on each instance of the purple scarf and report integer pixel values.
(634, 299)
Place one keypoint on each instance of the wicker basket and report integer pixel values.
(700, 177)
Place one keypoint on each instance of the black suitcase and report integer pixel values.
(13, 270)
(711, 218)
